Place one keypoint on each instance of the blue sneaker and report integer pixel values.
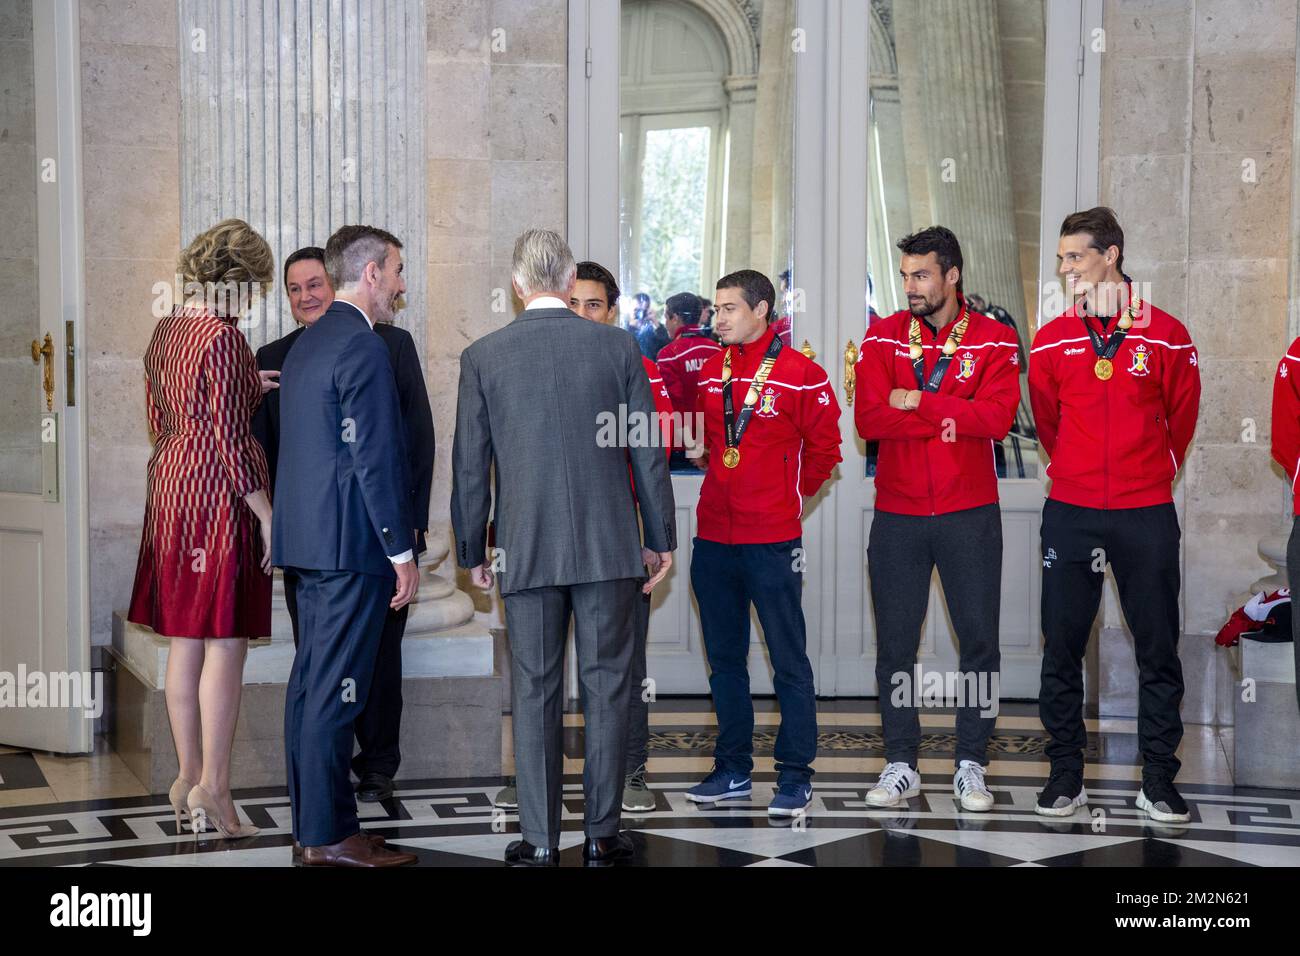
(791, 799)
(720, 785)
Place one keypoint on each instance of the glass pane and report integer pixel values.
(706, 121)
(955, 114)
(21, 401)
(674, 184)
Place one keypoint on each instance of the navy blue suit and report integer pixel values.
(379, 726)
(341, 509)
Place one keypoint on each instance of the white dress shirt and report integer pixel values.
(546, 302)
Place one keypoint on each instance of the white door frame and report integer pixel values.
(60, 515)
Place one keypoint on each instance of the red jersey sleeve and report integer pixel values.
(1286, 411)
(1181, 388)
(819, 425)
(874, 417)
(663, 404)
(1044, 393)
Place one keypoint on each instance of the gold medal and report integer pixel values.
(731, 457)
(915, 352)
(949, 347)
(1103, 369)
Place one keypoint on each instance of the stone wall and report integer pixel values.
(496, 141)
(1197, 97)
(130, 103)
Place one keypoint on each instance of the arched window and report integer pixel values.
(672, 148)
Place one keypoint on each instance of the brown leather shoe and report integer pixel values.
(374, 838)
(357, 851)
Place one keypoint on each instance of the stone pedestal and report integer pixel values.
(1266, 738)
(1273, 550)
(1204, 671)
(451, 690)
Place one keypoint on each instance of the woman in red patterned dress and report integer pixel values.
(203, 578)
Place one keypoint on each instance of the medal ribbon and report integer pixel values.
(735, 428)
(940, 367)
(1106, 350)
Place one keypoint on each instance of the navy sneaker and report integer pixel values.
(720, 785)
(791, 800)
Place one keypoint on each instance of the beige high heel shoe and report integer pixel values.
(203, 809)
(176, 796)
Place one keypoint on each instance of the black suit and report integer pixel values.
(379, 724)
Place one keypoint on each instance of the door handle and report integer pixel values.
(850, 371)
(46, 351)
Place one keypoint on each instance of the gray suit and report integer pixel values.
(532, 396)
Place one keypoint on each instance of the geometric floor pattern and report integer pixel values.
(447, 823)
(90, 811)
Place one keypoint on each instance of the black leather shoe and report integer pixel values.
(523, 853)
(374, 787)
(600, 851)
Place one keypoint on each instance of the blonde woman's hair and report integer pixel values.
(229, 260)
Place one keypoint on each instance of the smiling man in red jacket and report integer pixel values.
(937, 386)
(772, 437)
(1115, 390)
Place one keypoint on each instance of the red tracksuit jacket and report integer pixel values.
(1118, 443)
(789, 447)
(1286, 415)
(938, 458)
(680, 364)
(663, 404)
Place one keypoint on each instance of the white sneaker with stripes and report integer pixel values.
(897, 782)
(968, 786)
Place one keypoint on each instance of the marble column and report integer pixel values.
(963, 108)
(303, 117)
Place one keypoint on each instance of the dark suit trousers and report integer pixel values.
(537, 621)
(341, 614)
(380, 723)
(638, 700)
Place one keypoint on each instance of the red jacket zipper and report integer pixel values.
(1105, 448)
(929, 472)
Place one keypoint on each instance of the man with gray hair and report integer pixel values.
(533, 396)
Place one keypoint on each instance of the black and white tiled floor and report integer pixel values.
(453, 822)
